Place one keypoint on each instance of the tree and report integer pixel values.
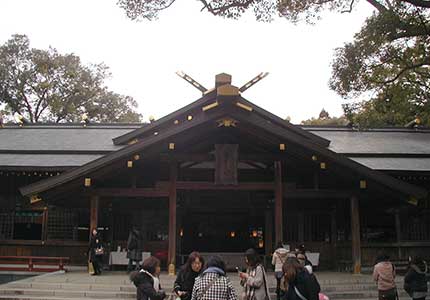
(391, 53)
(44, 85)
(390, 59)
(324, 119)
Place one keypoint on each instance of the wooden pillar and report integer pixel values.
(268, 232)
(45, 224)
(355, 235)
(94, 213)
(278, 202)
(333, 237)
(172, 219)
(398, 232)
(316, 179)
(301, 226)
(333, 227)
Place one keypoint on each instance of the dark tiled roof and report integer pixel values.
(73, 145)
(376, 141)
(62, 137)
(46, 160)
(417, 164)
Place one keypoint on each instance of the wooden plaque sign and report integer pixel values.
(226, 159)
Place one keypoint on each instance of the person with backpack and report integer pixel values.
(278, 259)
(300, 284)
(134, 248)
(384, 274)
(254, 280)
(415, 281)
(213, 284)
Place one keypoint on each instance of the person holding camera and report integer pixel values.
(184, 283)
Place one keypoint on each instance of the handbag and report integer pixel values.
(90, 268)
(99, 251)
(389, 294)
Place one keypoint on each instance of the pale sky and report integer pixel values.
(144, 56)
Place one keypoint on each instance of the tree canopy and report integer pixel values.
(387, 63)
(46, 86)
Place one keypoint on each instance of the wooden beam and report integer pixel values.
(131, 192)
(162, 190)
(94, 211)
(172, 218)
(278, 202)
(204, 185)
(355, 235)
(184, 157)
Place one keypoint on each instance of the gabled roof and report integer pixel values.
(227, 107)
(211, 96)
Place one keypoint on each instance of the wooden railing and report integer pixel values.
(33, 263)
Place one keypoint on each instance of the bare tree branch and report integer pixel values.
(351, 4)
(377, 5)
(420, 3)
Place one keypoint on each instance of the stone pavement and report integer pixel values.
(77, 284)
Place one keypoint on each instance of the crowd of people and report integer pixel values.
(295, 279)
(198, 280)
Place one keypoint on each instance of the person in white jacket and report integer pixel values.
(278, 259)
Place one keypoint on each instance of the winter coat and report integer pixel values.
(134, 245)
(258, 282)
(306, 283)
(145, 288)
(416, 278)
(384, 274)
(278, 258)
(185, 282)
(221, 288)
(95, 242)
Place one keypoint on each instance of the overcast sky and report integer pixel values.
(144, 56)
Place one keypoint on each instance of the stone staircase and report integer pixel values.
(115, 285)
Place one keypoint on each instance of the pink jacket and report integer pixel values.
(384, 274)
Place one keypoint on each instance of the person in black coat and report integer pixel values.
(94, 256)
(184, 283)
(415, 281)
(299, 281)
(134, 248)
(147, 282)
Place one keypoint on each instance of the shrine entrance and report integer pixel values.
(222, 221)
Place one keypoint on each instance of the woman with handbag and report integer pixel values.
(96, 252)
(213, 284)
(278, 259)
(254, 280)
(384, 274)
(300, 285)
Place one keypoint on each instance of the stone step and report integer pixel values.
(30, 297)
(70, 294)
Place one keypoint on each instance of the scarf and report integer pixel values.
(156, 280)
(214, 270)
